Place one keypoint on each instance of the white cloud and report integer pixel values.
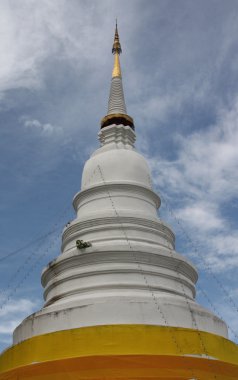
(30, 33)
(203, 179)
(200, 216)
(8, 326)
(22, 44)
(207, 160)
(225, 245)
(20, 306)
(159, 106)
(33, 32)
(11, 314)
(46, 128)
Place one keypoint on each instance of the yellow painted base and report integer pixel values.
(122, 352)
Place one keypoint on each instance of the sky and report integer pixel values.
(180, 75)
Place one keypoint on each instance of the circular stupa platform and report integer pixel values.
(122, 352)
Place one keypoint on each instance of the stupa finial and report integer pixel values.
(116, 50)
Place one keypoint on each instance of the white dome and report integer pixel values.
(116, 166)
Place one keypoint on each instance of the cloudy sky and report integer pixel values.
(180, 74)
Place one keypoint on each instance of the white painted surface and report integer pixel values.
(131, 273)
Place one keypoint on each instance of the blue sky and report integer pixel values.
(180, 75)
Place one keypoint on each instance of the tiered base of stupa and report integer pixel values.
(119, 300)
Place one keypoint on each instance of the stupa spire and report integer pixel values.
(117, 113)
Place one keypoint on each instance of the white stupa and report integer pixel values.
(131, 266)
(118, 272)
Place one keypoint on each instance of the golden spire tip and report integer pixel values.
(116, 48)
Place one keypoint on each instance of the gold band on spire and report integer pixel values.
(116, 50)
(116, 72)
